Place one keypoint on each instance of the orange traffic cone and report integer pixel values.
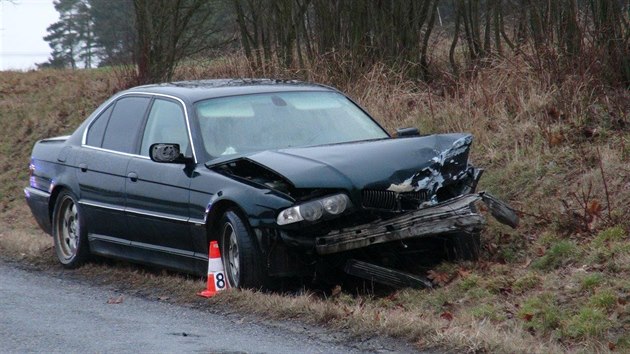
(216, 275)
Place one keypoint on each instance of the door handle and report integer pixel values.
(133, 176)
(83, 167)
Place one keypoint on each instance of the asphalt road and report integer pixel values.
(44, 313)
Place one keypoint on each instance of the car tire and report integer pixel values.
(242, 259)
(464, 246)
(69, 232)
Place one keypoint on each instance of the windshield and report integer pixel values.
(247, 123)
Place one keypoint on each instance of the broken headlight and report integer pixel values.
(314, 209)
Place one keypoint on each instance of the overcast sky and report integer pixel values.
(23, 25)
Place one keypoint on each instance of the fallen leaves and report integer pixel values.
(594, 208)
(555, 138)
(446, 316)
(555, 113)
(442, 278)
(590, 132)
(492, 248)
(505, 291)
(463, 272)
(115, 300)
(336, 291)
(439, 278)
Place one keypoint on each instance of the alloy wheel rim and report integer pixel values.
(233, 264)
(68, 232)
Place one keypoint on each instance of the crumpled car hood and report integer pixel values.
(400, 165)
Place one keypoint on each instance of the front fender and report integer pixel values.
(259, 206)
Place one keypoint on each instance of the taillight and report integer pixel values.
(31, 175)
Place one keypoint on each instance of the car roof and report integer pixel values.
(204, 89)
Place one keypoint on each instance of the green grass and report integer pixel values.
(588, 322)
(541, 312)
(559, 254)
(487, 311)
(527, 282)
(591, 281)
(613, 234)
(604, 300)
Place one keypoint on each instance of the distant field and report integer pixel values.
(557, 150)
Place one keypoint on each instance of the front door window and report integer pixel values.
(166, 124)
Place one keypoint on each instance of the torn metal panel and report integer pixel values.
(248, 171)
(387, 276)
(500, 210)
(453, 215)
(440, 170)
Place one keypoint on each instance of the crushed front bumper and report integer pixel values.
(454, 215)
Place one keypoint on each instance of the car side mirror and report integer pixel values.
(166, 153)
(407, 132)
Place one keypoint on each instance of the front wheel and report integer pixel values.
(69, 233)
(242, 259)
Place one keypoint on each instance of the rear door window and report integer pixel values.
(124, 124)
(97, 128)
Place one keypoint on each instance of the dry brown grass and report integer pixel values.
(559, 283)
(374, 316)
(24, 244)
(36, 105)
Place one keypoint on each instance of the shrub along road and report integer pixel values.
(41, 312)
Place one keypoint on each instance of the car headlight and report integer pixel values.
(314, 210)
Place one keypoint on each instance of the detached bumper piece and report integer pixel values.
(453, 215)
(382, 275)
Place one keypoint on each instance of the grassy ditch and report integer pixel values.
(558, 150)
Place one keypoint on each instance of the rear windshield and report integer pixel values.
(248, 123)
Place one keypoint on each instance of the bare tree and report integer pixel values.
(169, 30)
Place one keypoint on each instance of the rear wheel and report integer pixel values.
(69, 233)
(242, 260)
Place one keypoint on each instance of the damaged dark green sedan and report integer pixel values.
(288, 177)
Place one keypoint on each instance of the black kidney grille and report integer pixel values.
(388, 200)
(379, 199)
